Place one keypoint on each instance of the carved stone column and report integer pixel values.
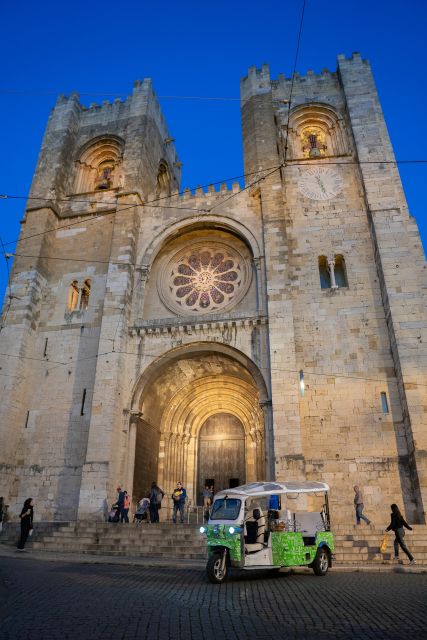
(134, 417)
(266, 406)
(331, 265)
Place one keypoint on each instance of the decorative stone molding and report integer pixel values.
(176, 327)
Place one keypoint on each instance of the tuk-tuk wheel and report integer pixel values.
(321, 562)
(215, 570)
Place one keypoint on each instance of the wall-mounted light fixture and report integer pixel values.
(301, 383)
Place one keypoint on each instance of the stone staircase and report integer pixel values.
(163, 540)
(360, 544)
(353, 545)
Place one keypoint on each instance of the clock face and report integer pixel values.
(320, 183)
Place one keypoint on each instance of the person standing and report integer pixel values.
(156, 497)
(358, 505)
(207, 497)
(397, 523)
(123, 510)
(124, 517)
(1, 512)
(26, 516)
(179, 496)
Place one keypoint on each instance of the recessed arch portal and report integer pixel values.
(176, 399)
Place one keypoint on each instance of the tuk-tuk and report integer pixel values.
(269, 525)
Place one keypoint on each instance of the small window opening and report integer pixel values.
(84, 295)
(340, 272)
(45, 348)
(384, 402)
(82, 410)
(26, 419)
(163, 180)
(73, 295)
(325, 276)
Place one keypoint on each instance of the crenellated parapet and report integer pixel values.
(98, 148)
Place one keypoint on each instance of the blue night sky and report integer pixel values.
(198, 49)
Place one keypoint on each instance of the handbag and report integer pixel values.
(30, 533)
(384, 543)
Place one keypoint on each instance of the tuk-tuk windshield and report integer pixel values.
(225, 509)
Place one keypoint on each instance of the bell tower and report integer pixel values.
(97, 167)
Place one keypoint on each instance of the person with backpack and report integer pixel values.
(156, 497)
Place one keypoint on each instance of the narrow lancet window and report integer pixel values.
(73, 296)
(325, 278)
(84, 295)
(332, 272)
(384, 402)
(340, 272)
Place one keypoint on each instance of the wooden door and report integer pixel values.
(221, 453)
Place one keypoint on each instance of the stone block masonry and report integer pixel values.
(140, 315)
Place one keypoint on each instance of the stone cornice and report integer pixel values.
(191, 324)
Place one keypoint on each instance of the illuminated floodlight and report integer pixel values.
(301, 382)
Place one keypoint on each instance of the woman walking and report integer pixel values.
(396, 524)
(26, 522)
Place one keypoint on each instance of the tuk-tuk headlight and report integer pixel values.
(231, 530)
(202, 529)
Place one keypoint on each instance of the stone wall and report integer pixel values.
(151, 371)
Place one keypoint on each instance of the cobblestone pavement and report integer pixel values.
(48, 600)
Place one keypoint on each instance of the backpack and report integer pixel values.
(126, 502)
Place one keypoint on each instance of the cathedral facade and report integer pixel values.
(220, 336)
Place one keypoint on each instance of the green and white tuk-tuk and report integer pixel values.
(269, 525)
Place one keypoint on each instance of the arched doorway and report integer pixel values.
(221, 453)
(186, 404)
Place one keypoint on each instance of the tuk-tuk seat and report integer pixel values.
(255, 530)
(309, 524)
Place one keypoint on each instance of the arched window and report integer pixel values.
(99, 165)
(316, 130)
(78, 295)
(340, 272)
(325, 278)
(84, 295)
(73, 296)
(332, 272)
(163, 186)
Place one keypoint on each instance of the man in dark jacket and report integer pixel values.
(179, 496)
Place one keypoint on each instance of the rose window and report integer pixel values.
(206, 280)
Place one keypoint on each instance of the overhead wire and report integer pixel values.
(141, 354)
(282, 164)
(5, 313)
(271, 170)
(299, 162)
(293, 76)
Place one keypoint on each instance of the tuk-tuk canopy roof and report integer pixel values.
(272, 488)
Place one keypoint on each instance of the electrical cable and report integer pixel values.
(283, 164)
(108, 213)
(293, 77)
(291, 163)
(8, 286)
(48, 92)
